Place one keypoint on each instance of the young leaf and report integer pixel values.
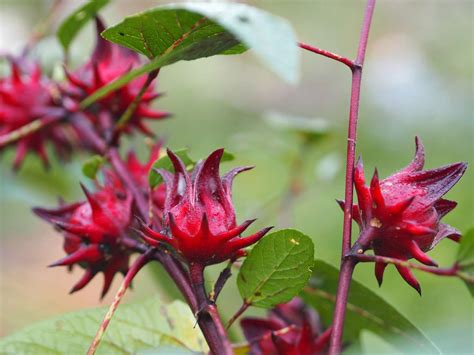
(74, 22)
(465, 258)
(276, 269)
(134, 328)
(92, 165)
(227, 156)
(154, 179)
(365, 310)
(171, 33)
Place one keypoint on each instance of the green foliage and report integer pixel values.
(365, 310)
(168, 34)
(154, 179)
(465, 257)
(92, 165)
(74, 22)
(133, 329)
(276, 269)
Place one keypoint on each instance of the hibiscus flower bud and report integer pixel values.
(199, 218)
(27, 97)
(92, 230)
(399, 217)
(108, 62)
(290, 328)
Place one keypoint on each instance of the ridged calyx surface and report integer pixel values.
(92, 230)
(400, 216)
(199, 219)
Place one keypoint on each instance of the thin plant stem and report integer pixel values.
(237, 314)
(348, 264)
(327, 54)
(454, 270)
(127, 114)
(207, 316)
(141, 261)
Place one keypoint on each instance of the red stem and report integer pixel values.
(207, 316)
(327, 54)
(347, 264)
(451, 271)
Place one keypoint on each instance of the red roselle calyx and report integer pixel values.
(25, 97)
(92, 230)
(199, 218)
(108, 62)
(290, 329)
(399, 217)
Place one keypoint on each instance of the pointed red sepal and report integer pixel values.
(419, 255)
(75, 81)
(418, 229)
(175, 231)
(85, 279)
(97, 210)
(355, 211)
(90, 253)
(418, 161)
(376, 192)
(204, 229)
(147, 233)
(228, 178)
(379, 271)
(401, 206)
(235, 231)
(408, 276)
(240, 243)
(443, 207)
(15, 72)
(152, 114)
(72, 228)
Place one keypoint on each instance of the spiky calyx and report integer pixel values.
(108, 62)
(399, 217)
(92, 230)
(26, 97)
(199, 218)
(290, 329)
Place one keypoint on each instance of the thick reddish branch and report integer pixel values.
(347, 264)
(207, 316)
(327, 54)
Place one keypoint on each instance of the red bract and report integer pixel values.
(199, 217)
(399, 217)
(290, 329)
(108, 62)
(27, 97)
(92, 230)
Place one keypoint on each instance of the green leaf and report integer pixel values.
(465, 258)
(154, 179)
(171, 33)
(74, 22)
(133, 329)
(227, 156)
(92, 165)
(365, 310)
(276, 269)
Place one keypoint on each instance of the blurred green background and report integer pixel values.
(418, 80)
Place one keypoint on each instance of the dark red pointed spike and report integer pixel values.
(379, 271)
(93, 202)
(90, 253)
(235, 232)
(228, 178)
(376, 191)
(419, 160)
(85, 279)
(408, 276)
(419, 255)
(240, 243)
